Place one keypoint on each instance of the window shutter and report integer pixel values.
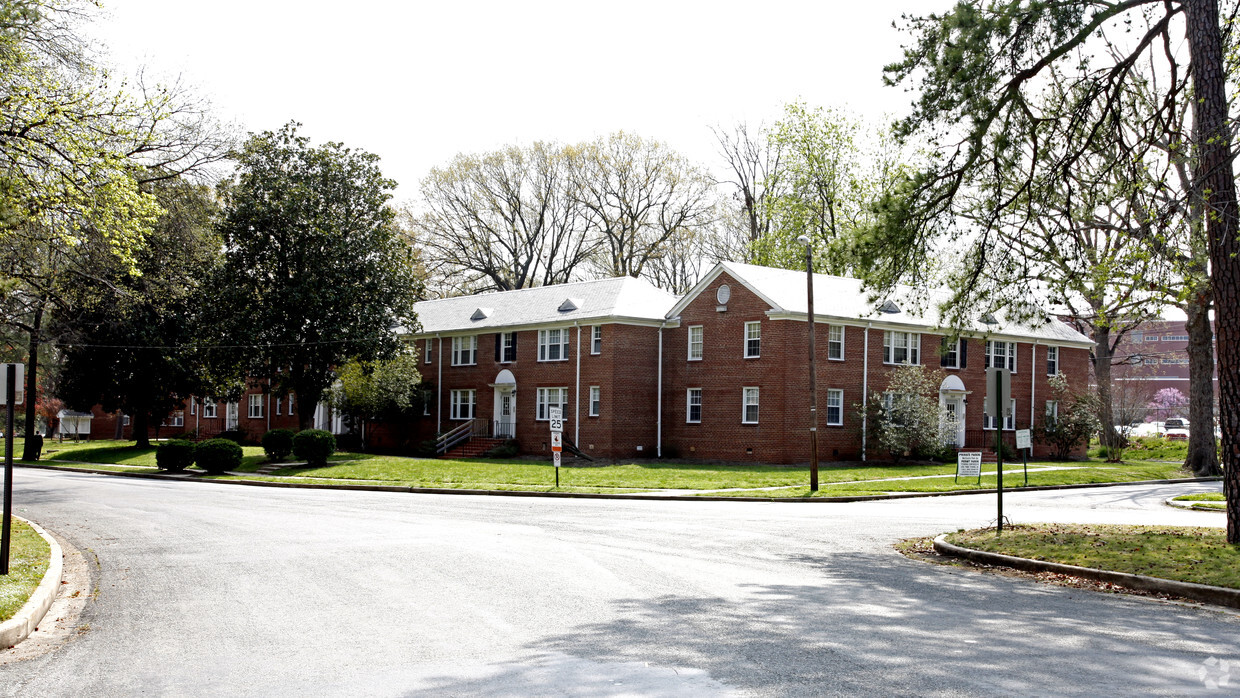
(499, 346)
(942, 351)
(964, 353)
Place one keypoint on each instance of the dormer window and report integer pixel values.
(481, 314)
(889, 307)
(569, 305)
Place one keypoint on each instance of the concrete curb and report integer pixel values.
(159, 475)
(1198, 592)
(1186, 504)
(19, 627)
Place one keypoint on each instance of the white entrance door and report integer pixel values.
(505, 408)
(953, 409)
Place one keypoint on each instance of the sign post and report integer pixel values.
(1024, 441)
(999, 398)
(556, 418)
(12, 374)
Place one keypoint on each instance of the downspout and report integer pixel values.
(1033, 382)
(865, 385)
(658, 419)
(439, 387)
(269, 410)
(577, 391)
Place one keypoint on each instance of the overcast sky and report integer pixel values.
(418, 82)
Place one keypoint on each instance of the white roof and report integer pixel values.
(617, 299)
(842, 298)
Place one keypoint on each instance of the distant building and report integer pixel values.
(1151, 357)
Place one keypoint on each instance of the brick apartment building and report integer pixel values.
(717, 374)
(1153, 356)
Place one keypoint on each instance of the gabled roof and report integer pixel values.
(842, 298)
(617, 299)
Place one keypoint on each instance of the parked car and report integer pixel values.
(1176, 435)
(1148, 429)
(1176, 423)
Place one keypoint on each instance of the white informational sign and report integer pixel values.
(555, 459)
(1005, 400)
(1024, 439)
(556, 416)
(4, 382)
(968, 464)
(557, 441)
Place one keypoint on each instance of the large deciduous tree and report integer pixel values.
(315, 270)
(983, 71)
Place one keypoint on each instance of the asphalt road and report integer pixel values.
(209, 589)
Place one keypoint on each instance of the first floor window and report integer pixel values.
(279, 406)
(255, 407)
(125, 421)
(595, 400)
(1052, 411)
(1001, 354)
(596, 340)
(552, 397)
(290, 405)
(901, 347)
(695, 343)
(1052, 361)
(750, 413)
(1009, 418)
(465, 350)
(694, 413)
(753, 340)
(553, 345)
(208, 409)
(463, 402)
(835, 342)
(835, 407)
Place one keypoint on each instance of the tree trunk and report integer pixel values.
(1202, 460)
(1214, 185)
(140, 436)
(30, 450)
(1102, 375)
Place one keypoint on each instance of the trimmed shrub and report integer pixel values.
(278, 443)
(174, 455)
(218, 455)
(314, 446)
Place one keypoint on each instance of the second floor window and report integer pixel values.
(553, 345)
(596, 340)
(953, 353)
(430, 349)
(835, 343)
(1001, 354)
(465, 350)
(753, 340)
(506, 347)
(901, 347)
(208, 410)
(1052, 361)
(695, 343)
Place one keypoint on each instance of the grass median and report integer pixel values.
(29, 557)
(647, 476)
(1186, 554)
(1208, 501)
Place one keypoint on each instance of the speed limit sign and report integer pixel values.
(556, 415)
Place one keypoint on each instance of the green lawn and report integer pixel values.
(1209, 501)
(1186, 554)
(29, 556)
(125, 453)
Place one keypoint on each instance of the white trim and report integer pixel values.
(924, 328)
(596, 396)
(701, 342)
(745, 403)
(545, 344)
(472, 350)
(689, 406)
(843, 335)
(746, 338)
(596, 330)
(839, 423)
(456, 403)
(542, 398)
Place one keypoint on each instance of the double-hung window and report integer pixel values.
(290, 405)
(953, 353)
(1052, 361)
(208, 409)
(695, 342)
(552, 397)
(1009, 418)
(193, 407)
(430, 350)
(463, 403)
(901, 347)
(596, 400)
(465, 350)
(553, 345)
(596, 340)
(693, 411)
(835, 407)
(1052, 411)
(835, 343)
(749, 412)
(506, 347)
(1001, 354)
(753, 340)
(279, 406)
(255, 405)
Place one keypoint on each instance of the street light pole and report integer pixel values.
(813, 373)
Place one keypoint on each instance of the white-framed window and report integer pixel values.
(193, 407)
(753, 340)
(430, 351)
(232, 411)
(596, 339)
(279, 406)
(596, 400)
(463, 403)
(835, 407)
(695, 342)
(901, 347)
(507, 347)
(465, 350)
(1052, 411)
(1001, 354)
(124, 420)
(290, 405)
(1052, 361)
(693, 409)
(209, 410)
(551, 397)
(1009, 418)
(835, 342)
(553, 345)
(176, 419)
(953, 356)
(255, 406)
(749, 405)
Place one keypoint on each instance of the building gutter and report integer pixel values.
(577, 391)
(439, 387)
(865, 385)
(658, 419)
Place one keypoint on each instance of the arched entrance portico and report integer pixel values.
(952, 404)
(504, 413)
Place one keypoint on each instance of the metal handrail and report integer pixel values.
(456, 435)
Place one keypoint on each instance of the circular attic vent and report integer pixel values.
(723, 294)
